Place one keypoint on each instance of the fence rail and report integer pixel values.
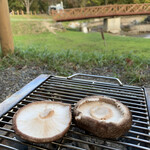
(101, 11)
(21, 12)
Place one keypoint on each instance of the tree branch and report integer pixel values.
(31, 3)
(23, 2)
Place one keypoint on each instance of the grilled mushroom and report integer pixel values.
(103, 116)
(42, 122)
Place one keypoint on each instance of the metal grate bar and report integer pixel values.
(137, 108)
(132, 145)
(84, 142)
(141, 103)
(136, 139)
(37, 147)
(15, 140)
(143, 128)
(33, 99)
(8, 123)
(7, 147)
(52, 97)
(140, 117)
(73, 101)
(101, 85)
(137, 112)
(91, 84)
(12, 112)
(9, 117)
(96, 84)
(133, 126)
(42, 92)
(82, 92)
(68, 146)
(139, 133)
(26, 101)
(87, 82)
(140, 122)
(121, 137)
(79, 96)
(93, 88)
(8, 130)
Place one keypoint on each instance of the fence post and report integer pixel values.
(13, 12)
(6, 38)
(17, 12)
(22, 13)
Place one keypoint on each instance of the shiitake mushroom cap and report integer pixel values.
(36, 122)
(95, 120)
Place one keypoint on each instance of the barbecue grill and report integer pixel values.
(70, 90)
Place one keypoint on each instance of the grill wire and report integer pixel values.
(71, 91)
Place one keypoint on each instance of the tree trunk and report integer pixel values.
(6, 38)
(27, 4)
(28, 10)
(28, 7)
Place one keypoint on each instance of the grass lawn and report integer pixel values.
(69, 51)
(26, 17)
(92, 42)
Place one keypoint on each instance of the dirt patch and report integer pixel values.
(34, 27)
(12, 79)
(49, 27)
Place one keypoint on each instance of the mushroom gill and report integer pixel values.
(43, 121)
(103, 116)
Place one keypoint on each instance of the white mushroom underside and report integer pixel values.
(30, 123)
(101, 111)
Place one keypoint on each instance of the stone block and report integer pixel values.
(112, 25)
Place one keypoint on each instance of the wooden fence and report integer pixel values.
(21, 12)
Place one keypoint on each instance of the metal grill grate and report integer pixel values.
(70, 91)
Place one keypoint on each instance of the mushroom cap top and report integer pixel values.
(45, 120)
(103, 116)
(103, 109)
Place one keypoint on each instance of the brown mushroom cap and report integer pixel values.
(43, 121)
(103, 116)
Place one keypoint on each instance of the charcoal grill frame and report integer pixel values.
(17, 97)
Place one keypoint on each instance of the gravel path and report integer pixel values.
(11, 79)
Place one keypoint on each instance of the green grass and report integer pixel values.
(71, 51)
(29, 17)
(92, 42)
(66, 62)
(27, 24)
